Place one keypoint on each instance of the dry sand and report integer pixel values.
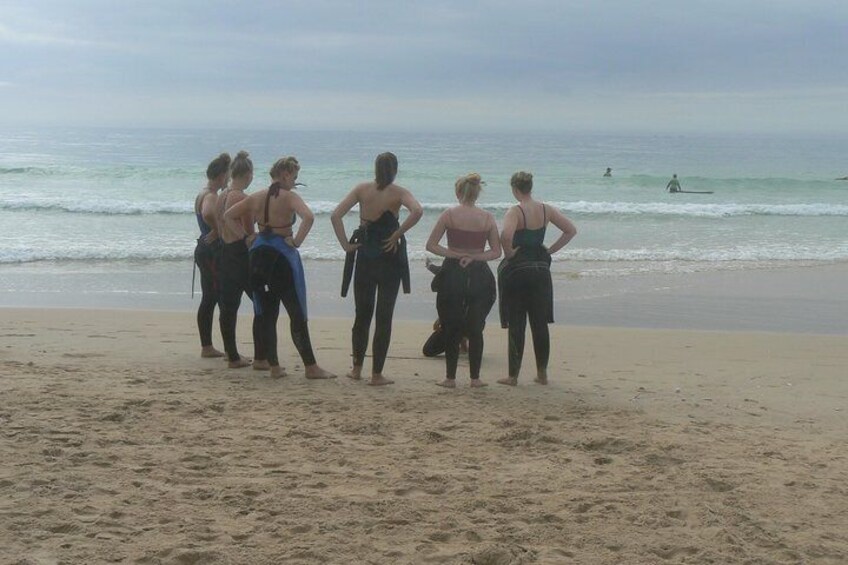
(119, 444)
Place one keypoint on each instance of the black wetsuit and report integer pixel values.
(234, 279)
(526, 291)
(206, 259)
(377, 277)
(276, 275)
(465, 297)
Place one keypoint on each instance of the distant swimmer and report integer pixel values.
(673, 185)
(608, 173)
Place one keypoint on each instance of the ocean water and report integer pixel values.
(77, 199)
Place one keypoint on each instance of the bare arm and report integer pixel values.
(494, 243)
(343, 208)
(242, 211)
(415, 212)
(207, 212)
(242, 226)
(565, 225)
(307, 218)
(433, 245)
(509, 226)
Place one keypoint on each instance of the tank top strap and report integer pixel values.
(523, 215)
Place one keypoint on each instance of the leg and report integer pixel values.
(266, 308)
(475, 320)
(239, 275)
(269, 302)
(230, 302)
(300, 328)
(364, 296)
(209, 299)
(480, 302)
(435, 344)
(538, 314)
(450, 303)
(387, 292)
(517, 328)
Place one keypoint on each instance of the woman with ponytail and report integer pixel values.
(276, 271)
(376, 259)
(465, 285)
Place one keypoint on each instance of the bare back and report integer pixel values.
(468, 218)
(231, 230)
(374, 202)
(535, 215)
(281, 211)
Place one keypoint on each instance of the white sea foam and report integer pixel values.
(736, 254)
(323, 207)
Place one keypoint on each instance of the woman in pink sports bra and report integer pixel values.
(465, 285)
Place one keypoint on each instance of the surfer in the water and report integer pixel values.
(674, 184)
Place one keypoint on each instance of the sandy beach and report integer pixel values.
(119, 444)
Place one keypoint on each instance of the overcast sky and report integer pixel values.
(661, 65)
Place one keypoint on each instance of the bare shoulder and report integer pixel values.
(293, 197)
(362, 187)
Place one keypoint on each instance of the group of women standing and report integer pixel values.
(233, 258)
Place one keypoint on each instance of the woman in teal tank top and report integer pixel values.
(524, 277)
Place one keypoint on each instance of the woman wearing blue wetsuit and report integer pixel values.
(524, 278)
(276, 271)
(465, 284)
(207, 250)
(378, 251)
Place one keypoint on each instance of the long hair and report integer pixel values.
(385, 169)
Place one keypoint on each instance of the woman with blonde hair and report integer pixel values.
(207, 250)
(524, 277)
(276, 271)
(465, 284)
(376, 259)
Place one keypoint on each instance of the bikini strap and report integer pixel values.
(544, 215)
(267, 205)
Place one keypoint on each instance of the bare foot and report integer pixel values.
(316, 372)
(278, 372)
(447, 383)
(355, 373)
(239, 364)
(510, 381)
(379, 380)
(210, 351)
(477, 383)
(541, 380)
(261, 365)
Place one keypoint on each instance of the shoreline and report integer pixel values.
(792, 299)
